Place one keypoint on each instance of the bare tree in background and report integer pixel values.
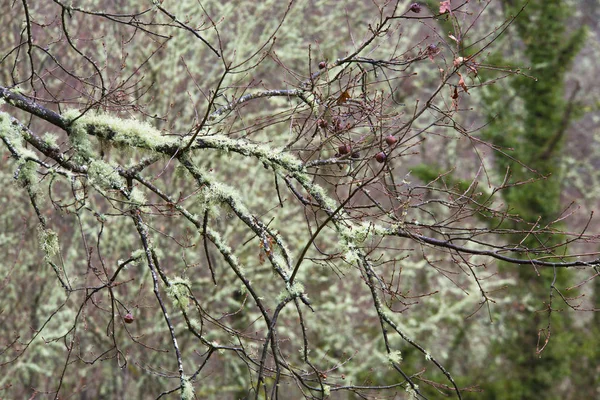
(225, 209)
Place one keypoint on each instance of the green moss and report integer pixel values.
(10, 133)
(104, 176)
(137, 196)
(121, 132)
(395, 357)
(187, 389)
(178, 292)
(266, 154)
(48, 240)
(28, 175)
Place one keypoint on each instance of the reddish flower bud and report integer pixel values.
(380, 157)
(322, 65)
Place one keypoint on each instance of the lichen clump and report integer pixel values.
(121, 132)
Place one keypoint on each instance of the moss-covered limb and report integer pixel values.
(535, 135)
(11, 135)
(220, 192)
(143, 234)
(26, 174)
(353, 235)
(225, 251)
(266, 154)
(19, 101)
(136, 134)
(12, 129)
(119, 132)
(371, 276)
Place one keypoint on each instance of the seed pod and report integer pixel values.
(344, 149)
(380, 157)
(391, 140)
(415, 7)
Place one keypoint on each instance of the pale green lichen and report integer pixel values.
(139, 253)
(50, 139)
(297, 289)
(187, 389)
(178, 292)
(10, 133)
(136, 256)
(48, 242)
(104, 175)
(412, 393)
(263, 152)
(28, 176)
(196, 325)
(395, 357)
(120, 132)
(137, 197)
(218, 192)
(316, 191)
(326, 390)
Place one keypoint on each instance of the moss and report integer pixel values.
(104, 176)
(297, 289)
(178, 292)
(187, 389)
(28, 175)
(50, 139)
(10, 133)
(48, 242)
(395, 357)
(137, 196)
(266, 154)
(121, 132)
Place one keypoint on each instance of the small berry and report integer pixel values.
(344, 149)
(391, 140)
(322, 65)
(356, 154)
(380, 157)
(415, 7)
(128, 318)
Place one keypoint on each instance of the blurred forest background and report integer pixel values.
(526, 113)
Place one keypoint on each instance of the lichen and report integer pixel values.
(178, 292)
(263, 152)
(104, 175)
(187, 389)
(395, 357)
(10, 133)
(50, 139)
(48, 242)
(120, 132)
(137, 196)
